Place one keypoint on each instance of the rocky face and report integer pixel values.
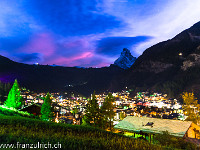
(125, 60)
(192, 60)
(153, 66)
(171, 66)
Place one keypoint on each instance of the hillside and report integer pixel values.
(71, 137)
(43, 78)
(172, 66)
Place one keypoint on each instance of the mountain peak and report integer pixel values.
(126, 52)
(125, 60)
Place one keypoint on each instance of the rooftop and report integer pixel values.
(154, 125)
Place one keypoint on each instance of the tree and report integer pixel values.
(46, 109)
(92, 113)
(84, 123)
(75, 110)
(168, 141)
(14, 98)
(108, 110)
(4, 90)
(122, 115)
(190, 104)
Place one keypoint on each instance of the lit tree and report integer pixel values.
(190, 104)
(92, 113)
(14, 98)
(74, 111)
(108, 110)
(46, 109)
(84, 123)
(121, 115)
(57, 120)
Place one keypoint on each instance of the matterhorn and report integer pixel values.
(125, 60)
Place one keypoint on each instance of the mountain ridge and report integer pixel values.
(170, 66)
(44, 78)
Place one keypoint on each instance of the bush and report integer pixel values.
(165, 139)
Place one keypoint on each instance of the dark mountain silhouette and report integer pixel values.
(43, 78)
(172, 66)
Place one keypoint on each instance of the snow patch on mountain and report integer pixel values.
(125, 60)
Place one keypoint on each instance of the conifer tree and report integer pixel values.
(92, 113)
(14, 98)
(46, 109)
(108, 110)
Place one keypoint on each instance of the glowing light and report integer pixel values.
(56, 120)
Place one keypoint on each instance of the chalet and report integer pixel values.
(151, 126)
(34, 109)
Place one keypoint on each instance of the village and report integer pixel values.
(145, 115)
(71, 109)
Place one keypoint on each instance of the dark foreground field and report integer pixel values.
(23, 130)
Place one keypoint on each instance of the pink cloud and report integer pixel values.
(74, 51)
(71, 61)
(75, 46)
(84, 43)
(82, 56)
(40, 43)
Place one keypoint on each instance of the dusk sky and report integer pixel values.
(88, 33)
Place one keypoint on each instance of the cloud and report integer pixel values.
(112, 46)
(11, 44)
(35, 48)
(71, 18)
(74, 46)
(160, 20)
(14, 22)
(89, 33)
(28, 58)
(43, 43)
(91, 61)
(70, 61)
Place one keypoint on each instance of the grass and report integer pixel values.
(15, 129)
(13, 112)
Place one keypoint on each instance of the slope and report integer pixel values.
(44, 78)
(22, 130)
(172, 66)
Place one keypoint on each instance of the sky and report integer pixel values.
(88, 33)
